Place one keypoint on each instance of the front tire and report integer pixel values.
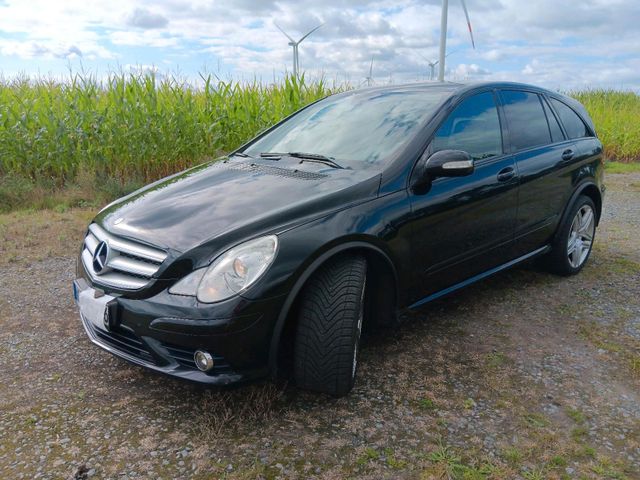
(572, 246)
(329, 326)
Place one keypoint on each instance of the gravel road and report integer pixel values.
(525, 375)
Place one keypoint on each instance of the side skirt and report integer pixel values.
(480, 276)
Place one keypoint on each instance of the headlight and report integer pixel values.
(231, 273)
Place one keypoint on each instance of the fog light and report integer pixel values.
(204, 360)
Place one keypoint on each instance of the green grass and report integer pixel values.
(619, 167)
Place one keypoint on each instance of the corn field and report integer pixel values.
(86, 142)
(134, 125)
(617, 118)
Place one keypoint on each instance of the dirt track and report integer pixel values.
(525, 375)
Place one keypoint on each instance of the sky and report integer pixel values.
(559, 44)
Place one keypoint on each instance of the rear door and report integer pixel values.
(589, 147)
(541, 153)
(464, 226)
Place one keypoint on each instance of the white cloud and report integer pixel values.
(34, 50)
(148, 38)
(143, 18)
(548, 42)
(471, 71)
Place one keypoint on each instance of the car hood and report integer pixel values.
(234, 198)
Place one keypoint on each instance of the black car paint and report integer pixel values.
(432, 239)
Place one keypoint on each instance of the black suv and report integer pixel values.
(272, 259)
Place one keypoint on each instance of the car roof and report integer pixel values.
(457, 89)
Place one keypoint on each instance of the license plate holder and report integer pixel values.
(93, 309)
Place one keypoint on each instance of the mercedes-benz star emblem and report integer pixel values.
(100, 257)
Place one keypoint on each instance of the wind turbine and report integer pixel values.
(432, 68)
(432, 64)
(443, 34)
(369, 79)
(294, 45)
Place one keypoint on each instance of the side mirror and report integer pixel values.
(445, 163)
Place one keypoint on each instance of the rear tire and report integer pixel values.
(573, 243)
(329, 326)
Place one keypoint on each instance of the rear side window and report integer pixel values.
(573, 124)
(527, 122)
(554, 126)
(473, 127)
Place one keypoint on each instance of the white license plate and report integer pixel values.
(93, 308)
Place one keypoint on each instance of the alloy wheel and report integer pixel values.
(581, 236)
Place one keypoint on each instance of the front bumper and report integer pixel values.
(162, 333)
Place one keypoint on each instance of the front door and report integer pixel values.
(464, 226)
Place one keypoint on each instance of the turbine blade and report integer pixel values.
(466, 14)
(284, 33)
(310, 32)
(371, 67)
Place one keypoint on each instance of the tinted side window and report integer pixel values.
(554, 126)
(473, 127)
(573, 124)
(526, 119)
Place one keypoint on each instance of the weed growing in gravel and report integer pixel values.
(536, 420)
(558, 461)
(368, 455)
(496, 360)
(626, 347)
(579, 434)
(606, 468)
(469, 403)
(218, 412)
(392, 461)
(427, 404)
(634, 364)
(447, 463)
(537, 474)
(576, 415)
(512, 455)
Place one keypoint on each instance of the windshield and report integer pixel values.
(366, 129)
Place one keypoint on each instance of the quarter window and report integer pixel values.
(554, 126)
(573, 124)
(527, 122)
(473, 127)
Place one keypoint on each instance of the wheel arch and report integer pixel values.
(591, 190)
(378, 261)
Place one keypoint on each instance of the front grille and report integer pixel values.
(129, 265)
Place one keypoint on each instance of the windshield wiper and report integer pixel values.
(241, 154)
(311, 157)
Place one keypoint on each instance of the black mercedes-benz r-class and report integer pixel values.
(272, 260)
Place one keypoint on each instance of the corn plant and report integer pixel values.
(134, 125)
